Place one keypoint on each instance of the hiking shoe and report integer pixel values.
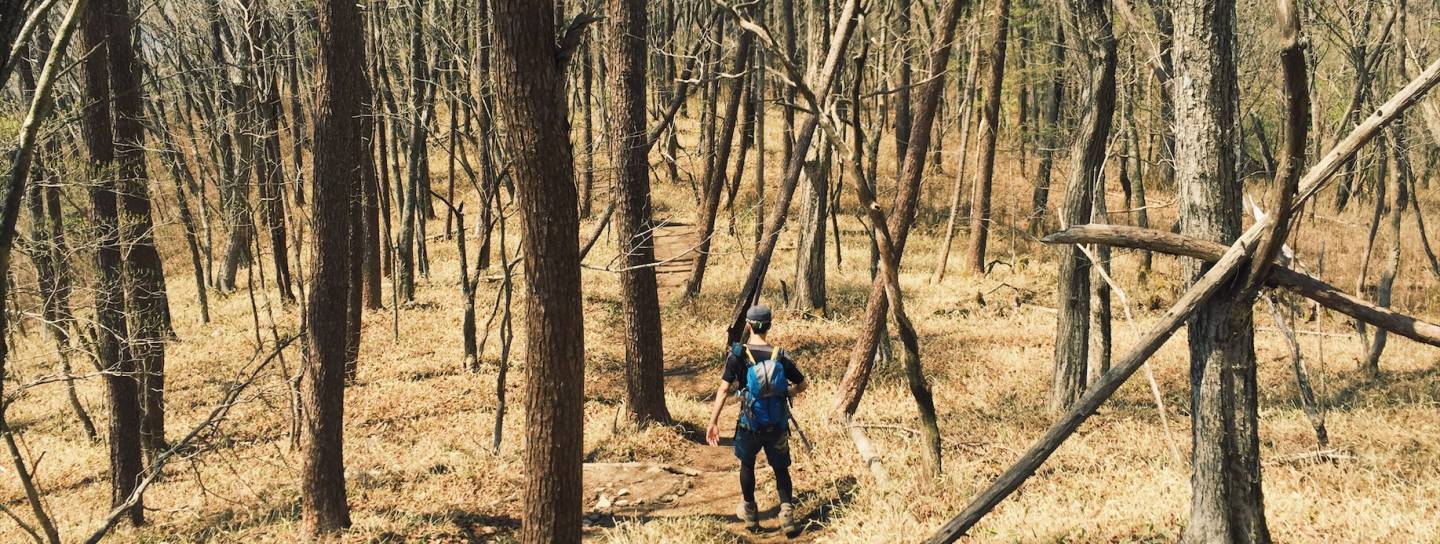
(750, 514)
(787, 519)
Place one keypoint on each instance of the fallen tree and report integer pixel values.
(1261, 272)
(1282, 277)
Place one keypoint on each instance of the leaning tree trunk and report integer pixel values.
(989, 129)
(1094, 39)
(716, 179)
(1226, 503)
(340, 95)
(530, 81)
(112, 332)
(629, 151)
(906, 203)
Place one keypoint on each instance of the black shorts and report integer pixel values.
(775, 443)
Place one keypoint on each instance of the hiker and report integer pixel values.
(766, 378)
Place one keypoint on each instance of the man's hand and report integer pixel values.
(712, 435)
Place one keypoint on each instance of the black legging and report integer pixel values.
(747, 482)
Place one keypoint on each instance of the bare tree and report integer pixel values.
(989, 130)
(112, 332)
(714, 180)
(902, 216)
(1095, 40)
(340, 97)
(530, 81)
(1226, 504)
(625, 31)
(146, 296)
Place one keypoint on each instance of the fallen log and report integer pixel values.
(1314, 180)
(1283, 277)
(1205, 288)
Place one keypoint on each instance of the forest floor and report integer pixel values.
(421, 465)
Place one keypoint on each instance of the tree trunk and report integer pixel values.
(48, 251)
(1095, 40)
(147, 301)
(989, 129)
(589, 56)
(815, 195)
(759, 99)
(111, 331)
(967, 109)
(1049, 133)
(626, 45)
(1399, 188)
(857, 373)
(902, 86)
(234, 177)
(1100, 341)
(715, 181)
(1132, 153)
(269, 169)
(787, 92)
(1226, 504)
(1164, 73)
(341, 92)
(532, 105)
(810, 248)
(298, 132)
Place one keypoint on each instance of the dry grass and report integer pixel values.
(418, 437)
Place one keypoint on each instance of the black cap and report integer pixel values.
(758, 313)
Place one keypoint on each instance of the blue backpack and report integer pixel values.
(764, 400)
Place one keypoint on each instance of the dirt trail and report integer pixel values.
(675, 251)
(705, 484)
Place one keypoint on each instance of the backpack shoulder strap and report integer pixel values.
(777, 354)
(749, 356)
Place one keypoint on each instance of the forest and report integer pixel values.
(472, 271)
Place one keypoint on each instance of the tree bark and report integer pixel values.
(1049, 133)
(626, 26)
(862, 357)
(532, 105)
(341, 92)
(146, 300)
(989, 130)
(112, 332)
(1095, 39)
(1226, 501)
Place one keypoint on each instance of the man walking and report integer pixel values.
(766, 379)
